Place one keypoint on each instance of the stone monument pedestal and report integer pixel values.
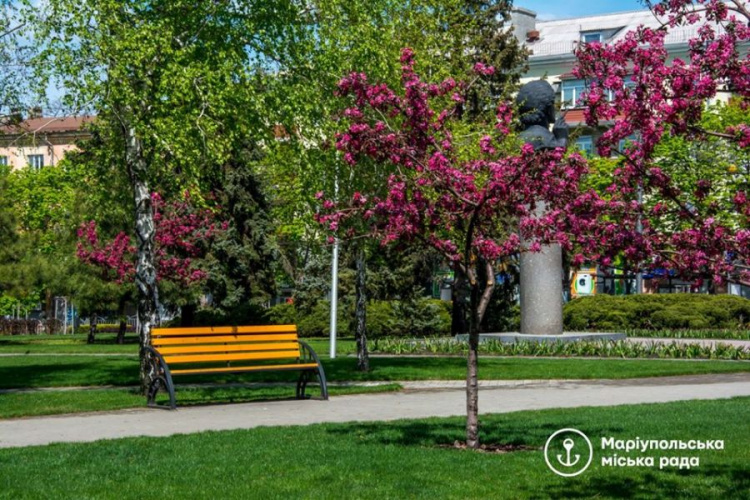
(541, 291)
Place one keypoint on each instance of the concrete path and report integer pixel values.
(405, 384)
(422, 403)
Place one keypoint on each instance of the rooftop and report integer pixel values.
(559, 36)
(47, 125)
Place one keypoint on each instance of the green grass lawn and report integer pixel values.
(31, 404)
(393, 460)
(62, 371)
(117, 366)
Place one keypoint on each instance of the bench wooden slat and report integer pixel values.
(206, 350)
(207, 358)
(194, 349)
(216, 339)
(222, 330)
(232, 369)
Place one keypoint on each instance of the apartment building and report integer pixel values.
(552, 43)
(551, 46)
(39, 141)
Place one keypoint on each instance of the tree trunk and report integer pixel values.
(478, 306)
(472, 373)
(187, 315)
(123, 325)
(459, 324)
(49, 307)
(360, 333)
(92, 329)
(145, 270)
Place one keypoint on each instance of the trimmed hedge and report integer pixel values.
(111, 328)
(423, 317)
(657, 312)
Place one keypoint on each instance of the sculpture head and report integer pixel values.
(536, 104)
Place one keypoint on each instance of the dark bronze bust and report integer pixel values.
(536, 105)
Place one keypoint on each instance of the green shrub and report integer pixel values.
(424, 317)
(282, 314)
(657, 312)
(381, 319)
(110, 328)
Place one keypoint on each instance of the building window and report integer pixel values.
(591, 37)
(36, 162)
(585, 144)
(571, 93)
(3, 161)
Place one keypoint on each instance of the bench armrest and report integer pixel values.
(308, 354)
(157, 362)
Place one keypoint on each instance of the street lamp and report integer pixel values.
(334, 283)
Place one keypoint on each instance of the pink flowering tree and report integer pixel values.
(646, 97)
(470, 196)
(183, 236)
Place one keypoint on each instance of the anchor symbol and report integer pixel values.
(568, 445)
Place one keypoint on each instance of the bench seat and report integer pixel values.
(228, 349)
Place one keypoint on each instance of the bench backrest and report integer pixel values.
(226, 343)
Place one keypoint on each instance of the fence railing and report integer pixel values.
(30, 326)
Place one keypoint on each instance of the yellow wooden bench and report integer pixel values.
(229, 349)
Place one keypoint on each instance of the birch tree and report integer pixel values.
(173, 83)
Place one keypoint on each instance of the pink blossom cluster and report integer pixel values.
(484, 206)
(654, 95)
(183, 234)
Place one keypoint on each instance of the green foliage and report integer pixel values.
(241, 262)
(422, 317)
(384, 318)
(38, 254)
(14, 53)
(244, 314)
(45, 203)
(343, 36)
(656, 312)
(176, 86)
(720, 166)
(8, 223)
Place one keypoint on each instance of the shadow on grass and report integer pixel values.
(112, 340)
(730, 481)
(31, 373)
(718, 476)
(394, 369)
(494, 429)
(221, 396)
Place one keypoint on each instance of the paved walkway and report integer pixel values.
(406, 384)
(437, 402)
